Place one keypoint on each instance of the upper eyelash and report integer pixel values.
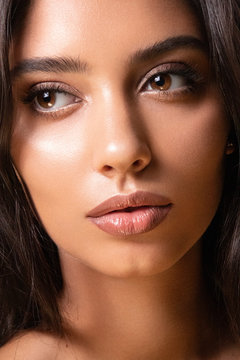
(192, 75)
(34, 91)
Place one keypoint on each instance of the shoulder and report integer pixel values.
(32, 345)
(230, 353)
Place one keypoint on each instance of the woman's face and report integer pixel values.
(113, 98)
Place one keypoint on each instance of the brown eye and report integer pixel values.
(161, 82)
(53, 100)
(46, 99)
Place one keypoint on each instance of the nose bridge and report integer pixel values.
(121, 144)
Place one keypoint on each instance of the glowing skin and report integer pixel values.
(119, 133)
(72, 163)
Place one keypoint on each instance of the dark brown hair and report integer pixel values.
(30, 273)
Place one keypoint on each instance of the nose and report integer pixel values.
(121, 146)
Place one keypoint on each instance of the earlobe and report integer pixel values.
(230, 148)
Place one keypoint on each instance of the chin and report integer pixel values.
(135, 265)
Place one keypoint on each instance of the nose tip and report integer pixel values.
(135, 167)
(123, 159)
(123, 146)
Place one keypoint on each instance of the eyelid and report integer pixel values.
(172, 68)
(56, 86)
(59, 87)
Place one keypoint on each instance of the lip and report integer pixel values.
(131, 214)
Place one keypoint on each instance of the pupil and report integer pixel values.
(159, 80)
(46, 97)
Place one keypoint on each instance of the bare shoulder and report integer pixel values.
(233, 353)
(32, 345)
(230, 353)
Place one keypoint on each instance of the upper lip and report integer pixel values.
(137, 199)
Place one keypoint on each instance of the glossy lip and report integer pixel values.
(131, 214)
(120, 202)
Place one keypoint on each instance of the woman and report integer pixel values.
(120, 179)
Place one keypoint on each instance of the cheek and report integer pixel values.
(52, 157)
(190, 146)
(187, 144)
(189, 140)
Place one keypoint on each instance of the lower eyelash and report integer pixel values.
(173, 94)
(30, 95)
(194, 80)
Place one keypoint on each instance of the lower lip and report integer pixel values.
(123, 223)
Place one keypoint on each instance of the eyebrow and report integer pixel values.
(68, 64)
(169, 44)
(49, 64)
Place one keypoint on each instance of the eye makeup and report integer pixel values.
(51, 98)
(168, 81)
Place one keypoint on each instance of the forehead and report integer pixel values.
(101, 29)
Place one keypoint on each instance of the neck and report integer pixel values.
(163, 313)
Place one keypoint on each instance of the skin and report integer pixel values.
(131, 297)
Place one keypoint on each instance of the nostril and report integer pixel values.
(137, 163)
(107, 168)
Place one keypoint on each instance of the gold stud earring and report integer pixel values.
(230, 148)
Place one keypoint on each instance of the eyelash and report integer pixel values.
(53, 87)
(192, 77)
(194, 80)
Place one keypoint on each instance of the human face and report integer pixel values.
(117, 128)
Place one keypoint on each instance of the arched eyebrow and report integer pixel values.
(167, 45)
(75, 65)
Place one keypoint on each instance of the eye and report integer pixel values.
(172, 81)
(165, 82)
(52, 100)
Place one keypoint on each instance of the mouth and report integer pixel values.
(131, 214)
(129, 209)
